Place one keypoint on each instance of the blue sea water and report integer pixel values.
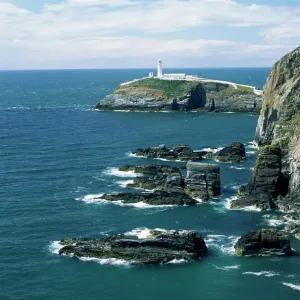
(56, 153)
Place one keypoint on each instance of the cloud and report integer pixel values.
(90, 29)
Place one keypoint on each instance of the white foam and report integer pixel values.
(229, 112)
(125, 183)
(293, 286)
(177, 261)
(55, 246)
(228, 268)
(263, 273)
(94, 198)
(237, 168)
(213, 150)
(251, 152)
(252, 146)
(142, 233)
(116, 172)
(110, 261)
(223, 243)
(252, 208)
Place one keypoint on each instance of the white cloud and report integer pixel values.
(89, 29)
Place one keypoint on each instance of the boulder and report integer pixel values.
(155, 198)
(180, 152)
(264, 242)
(156, 248)
(235, 152)
(202, 180)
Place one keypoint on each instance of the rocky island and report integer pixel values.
(155, 247)
(275, 181)
(158, 94)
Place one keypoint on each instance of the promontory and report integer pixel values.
(164, 94)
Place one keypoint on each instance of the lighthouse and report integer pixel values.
(159, 69)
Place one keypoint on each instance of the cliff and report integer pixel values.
(153, 94)
(277, 170)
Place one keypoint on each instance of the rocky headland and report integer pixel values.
(275, 181)
(155, 248)
(154, 94)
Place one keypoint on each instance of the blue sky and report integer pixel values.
(64, 34)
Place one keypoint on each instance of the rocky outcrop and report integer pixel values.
(202, 180)
(170, 183)
(180, 152)
(153, 94)
(266, 183)
(155, 198)
(157, 247)
(264, 242)
(150, 169)
(235, 152)
(276, 176)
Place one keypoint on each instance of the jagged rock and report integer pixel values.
(264, 242)
(180, 152)
(277, 170)
(150, 169)
(267, 181)
(157, 247)
(235, 152)
(292, 228)
(155, 198)
(202, 180)
(166, 182)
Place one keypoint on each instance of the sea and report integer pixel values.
(57, 155)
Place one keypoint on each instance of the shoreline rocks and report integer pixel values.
(156, 248)
(264, 242)
(154, 198)
(150, 169)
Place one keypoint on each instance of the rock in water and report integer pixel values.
(150, 169)
(276, 176)
(156, 247)
(155, 198)
(235, 152)
(180, 152)
(264, 242)
(202, 180)
(164, 182)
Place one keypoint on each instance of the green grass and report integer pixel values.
(166, 88)
(241, 90)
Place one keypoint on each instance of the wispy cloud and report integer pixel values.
(87, 29)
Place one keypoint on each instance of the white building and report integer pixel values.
(175, 76)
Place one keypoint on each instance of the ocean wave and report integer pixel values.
(223, 243)
(293, 286)
(93, 199)
(116, 172)
(177, 261)
(55, 246)
(208, 149)
(262, 273)
(124, 183)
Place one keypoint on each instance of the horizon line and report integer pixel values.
(145, 68)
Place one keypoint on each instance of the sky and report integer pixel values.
(100, 34)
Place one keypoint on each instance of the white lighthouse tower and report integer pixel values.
(159, 69)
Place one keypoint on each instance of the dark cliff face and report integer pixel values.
(278, 129)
